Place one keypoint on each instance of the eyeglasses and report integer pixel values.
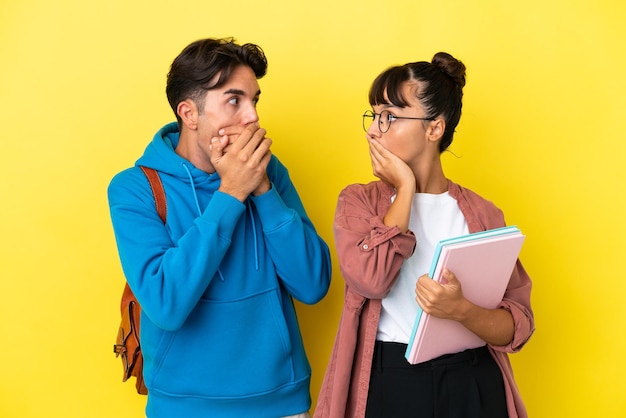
(384, 120)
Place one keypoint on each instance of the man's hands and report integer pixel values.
(240, 156)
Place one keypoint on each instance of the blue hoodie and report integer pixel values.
(219, 332)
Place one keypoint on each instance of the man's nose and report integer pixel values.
(250, 115)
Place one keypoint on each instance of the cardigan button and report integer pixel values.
(365, 246)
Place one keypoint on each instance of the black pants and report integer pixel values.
(462, 385)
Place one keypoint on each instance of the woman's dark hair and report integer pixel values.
(440, 89)
(207, 64)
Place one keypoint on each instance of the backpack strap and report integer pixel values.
(157, 191)
(127, 344)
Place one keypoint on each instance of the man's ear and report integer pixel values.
(436, 129)
(188, 112)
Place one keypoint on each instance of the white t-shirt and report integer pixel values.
(433, 217)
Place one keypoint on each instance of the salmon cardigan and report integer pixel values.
(370, 256)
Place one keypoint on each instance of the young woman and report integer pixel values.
(385, 233)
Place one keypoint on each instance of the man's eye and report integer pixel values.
(391, 117)
(234, 101)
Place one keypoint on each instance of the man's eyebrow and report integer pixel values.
(239, 92)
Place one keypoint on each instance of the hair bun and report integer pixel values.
(451, 67)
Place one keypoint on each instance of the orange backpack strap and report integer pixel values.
(157, 191)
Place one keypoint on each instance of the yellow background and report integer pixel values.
(542, 135)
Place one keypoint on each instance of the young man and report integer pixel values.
(219, 332)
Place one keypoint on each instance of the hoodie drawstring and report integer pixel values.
(193, 187)
(195, 196)
(256, 250)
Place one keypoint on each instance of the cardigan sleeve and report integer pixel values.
(481, 215)
(370, 253)
(517, 301)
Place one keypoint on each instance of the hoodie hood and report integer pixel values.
(160, 154)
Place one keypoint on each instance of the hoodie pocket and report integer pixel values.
(229, 350)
